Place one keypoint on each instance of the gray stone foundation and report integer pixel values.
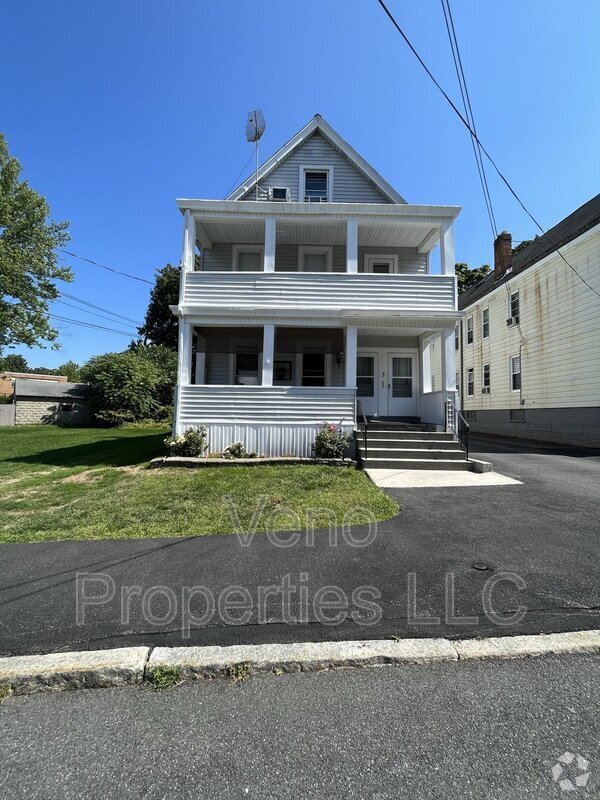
(574, 426)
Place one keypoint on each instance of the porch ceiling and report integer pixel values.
(327, 233)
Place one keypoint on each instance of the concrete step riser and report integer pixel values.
(380, 444)
(437, 455)
(405, 437)
(416, 464)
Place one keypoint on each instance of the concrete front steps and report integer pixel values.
(396, 447)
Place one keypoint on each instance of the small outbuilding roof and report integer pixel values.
(50, 389)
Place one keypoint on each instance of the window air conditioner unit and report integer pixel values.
(512, 321)
(279, 194)
(485, 390)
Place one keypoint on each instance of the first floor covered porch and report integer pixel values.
(272, 384)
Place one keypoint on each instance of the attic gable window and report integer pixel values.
(316, 183)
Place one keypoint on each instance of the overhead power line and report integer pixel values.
(243, 169)
(89, 325)
(93, 313)
(478, 141)
(99, 308)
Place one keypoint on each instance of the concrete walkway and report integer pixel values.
(420, 478)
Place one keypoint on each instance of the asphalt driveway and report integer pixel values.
(456, 562)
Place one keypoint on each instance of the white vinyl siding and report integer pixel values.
(349, 185)
(560, 325)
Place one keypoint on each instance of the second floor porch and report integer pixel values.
(261, 255)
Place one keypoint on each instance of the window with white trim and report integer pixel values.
(514, 306)
(470, 382)
(316, 186)
(485, 323)
(248, 258)
(315, 259)
(381, 264)
(456, 338)
(485, 382)
(515, 373)
(469, 330)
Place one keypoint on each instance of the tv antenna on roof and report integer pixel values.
(255, 127)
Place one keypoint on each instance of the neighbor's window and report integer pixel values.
(316, 186)
(315, 259)
(313, 369)
(515, 373)
(66, 407)
(248, 259)
(365, 376)
(514, 305)
(469, 330)
(485, 323)
(486, 377)
(456, 338)
(470, 382)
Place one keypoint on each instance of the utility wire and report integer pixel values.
(464, 92)
(99, 308)
(474, 135)
(243, 169)
(88, 325)
(93, 313)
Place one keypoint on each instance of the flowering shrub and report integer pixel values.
(191, 443)
(237, 450)
(330, 442)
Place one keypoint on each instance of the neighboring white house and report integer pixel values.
(531, 337)
(315, 294)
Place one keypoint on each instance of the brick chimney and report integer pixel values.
(502, 254)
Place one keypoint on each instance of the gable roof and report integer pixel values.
(568, 229)
(318, 124)
(51, 389)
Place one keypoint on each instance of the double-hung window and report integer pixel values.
(315, 259)
(469, 330)
(514, 306)
(470, 382)
(248, 258)
(485, 384)
(456, 338)
(315, 184)
(515, 373)
(485, 323)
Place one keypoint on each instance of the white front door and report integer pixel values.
(401, 384)
(386, 382)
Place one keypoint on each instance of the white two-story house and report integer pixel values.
(309, 292)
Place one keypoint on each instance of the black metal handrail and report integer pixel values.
(365, 428)
(459, 425)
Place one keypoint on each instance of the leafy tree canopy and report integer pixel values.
(521, 246)
(160, 324)
(28, 262)
(13, 362)
(469, 277)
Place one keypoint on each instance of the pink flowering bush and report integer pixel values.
(330, 442)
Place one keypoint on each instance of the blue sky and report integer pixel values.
(117, 108)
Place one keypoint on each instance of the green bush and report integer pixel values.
(192, 443)
(114, 419)
(330, 442)
(237, 450)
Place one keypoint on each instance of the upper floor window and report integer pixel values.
(381, 265)
(456, 338)
(315, 259)
(485, 384)
(316, 184)
(515, 373)
(485, 323)
(513, 306)
(469, 330)
(248, 258)
(470, 382)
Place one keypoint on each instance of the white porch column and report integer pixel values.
(184, 352)
(352, 246)
(270, 244)
(447, 249)
(268, 354)
(351, 348)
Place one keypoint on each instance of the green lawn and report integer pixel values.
(91, 483)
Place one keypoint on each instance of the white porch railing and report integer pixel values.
(306, 290)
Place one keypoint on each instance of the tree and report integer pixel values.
(164, 360)
(122, 386)
(521, 246)
(160, 324)
(469, 277)
(28, 261)
(13, 363)
(71, 369)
